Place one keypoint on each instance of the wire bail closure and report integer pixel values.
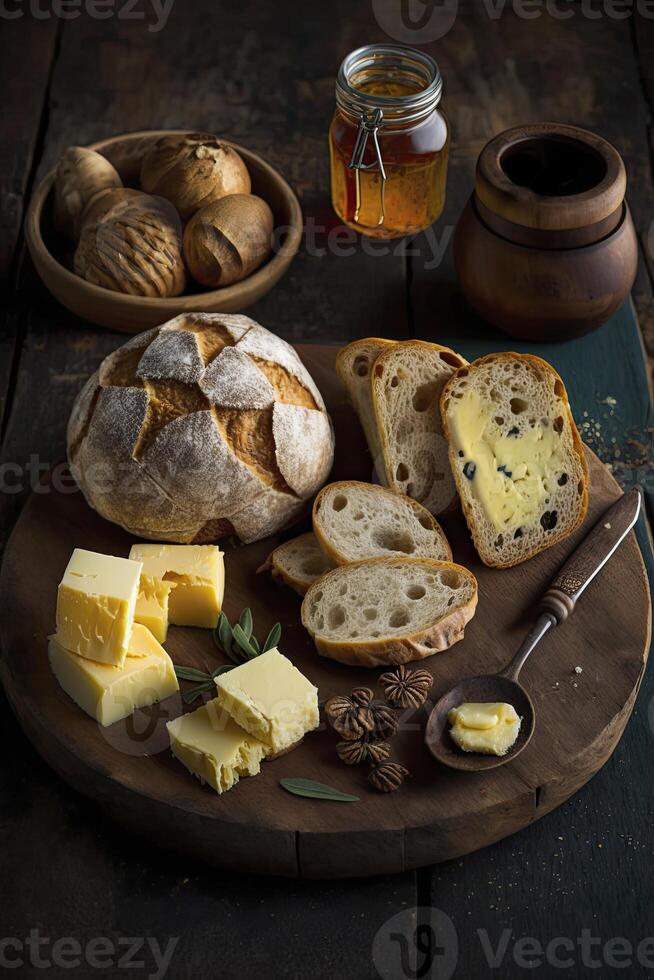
(369, 125)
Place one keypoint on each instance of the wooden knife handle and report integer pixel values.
(591, 555)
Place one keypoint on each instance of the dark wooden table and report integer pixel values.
(262, 74)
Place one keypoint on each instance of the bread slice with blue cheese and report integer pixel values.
(516, 456)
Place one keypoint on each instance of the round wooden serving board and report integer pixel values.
(438, 814)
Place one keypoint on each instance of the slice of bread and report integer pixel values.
(407, 382)
(298, 562)
(354, 520)
(516, 455)
(354, 368)
(389, 610)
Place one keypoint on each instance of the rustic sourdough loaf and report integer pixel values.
(354, 365)
(354, 520)
(389, 610)
(298, 562)
(206, 426)
(516, 455)
(406, 384)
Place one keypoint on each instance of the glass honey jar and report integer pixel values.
(388, 141)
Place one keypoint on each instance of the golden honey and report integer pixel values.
(389, 142)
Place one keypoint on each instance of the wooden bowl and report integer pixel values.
(52, 256)
(545, 248)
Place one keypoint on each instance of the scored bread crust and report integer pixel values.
(488, 557)
(399, 648)
(395, 500)
(398, 429)
(354, 365)
(284, 562)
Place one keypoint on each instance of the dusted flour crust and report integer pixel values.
(206, 426)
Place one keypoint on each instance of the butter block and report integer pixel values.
(214, 748)
(511, 476)
(198, 573)
(270, 699)
(489, 728)
(96, 600)
(109, 693)
(152, 606)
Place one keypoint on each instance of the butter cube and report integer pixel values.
(198, 573)
(472, 732)
(152, 606)
(213, 747)
(270, 699)
(109, 693)
(95, 606)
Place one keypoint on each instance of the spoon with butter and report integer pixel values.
(492, 717)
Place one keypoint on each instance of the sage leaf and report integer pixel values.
(245, 622)
(255, 643)
(194, 692)
(273, 638)
(316, 791)
(190, 673)
(221, 670)
(243, 642)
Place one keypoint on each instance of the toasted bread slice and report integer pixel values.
(354, 368)
(516, 455)
(354, 520)
(389, 610)
(407, 382)
(298, 562)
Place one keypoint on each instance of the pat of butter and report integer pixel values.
(510, 475)
(198, 573)
(270, 699)
(487, 728)
(213, 747)
(152, 606)
(109, 693)
(95, 606)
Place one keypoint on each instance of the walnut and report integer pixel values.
(388, 776)
(351, 717)
(192, 171)
(404, 688)
(226, 241)
(353, 753)
(80, 175)
(132, 243)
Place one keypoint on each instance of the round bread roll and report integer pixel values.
(204, 427)
(81, 173)
(226, 241)
(194, 170)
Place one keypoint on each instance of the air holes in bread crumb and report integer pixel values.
(401, 473)
(416, 592)
(399, 617)
(342, 589)
(335, 617)
(395, 381)
(518, 406)
(425, 522)
(449, 358)
(392, 540)
(313, 566)
(557, 424)
(424, 397)
(339, 502)
(361, 367)
(559, 390)
(450, 579)
(370, 614)
(562, 480)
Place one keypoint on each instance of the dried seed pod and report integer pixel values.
(404, 688)
(388, 776)
(384, 721)
(226, 241)
(132, 243)
(353, 753)
(81, 173)
(194, 170)
(362, 695)
(350, 717)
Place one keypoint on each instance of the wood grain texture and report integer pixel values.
(439, 814)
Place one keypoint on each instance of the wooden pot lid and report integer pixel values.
(551, 177)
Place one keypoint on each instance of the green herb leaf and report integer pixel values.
(255, 643)
(316, 791)
(221, 670)
(243, 642)
(273, 638)
(190, 673)
(245, 622)
(224, 633)
(194, 692)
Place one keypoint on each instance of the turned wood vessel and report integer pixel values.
(545, 248)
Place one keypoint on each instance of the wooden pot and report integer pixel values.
(545, 248)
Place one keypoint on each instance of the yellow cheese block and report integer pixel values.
(270, 699)
(152, 606)
(95, 606)
(198, 573)
(109, 693)
(511, 476)
(213, 747)
(489, 728)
